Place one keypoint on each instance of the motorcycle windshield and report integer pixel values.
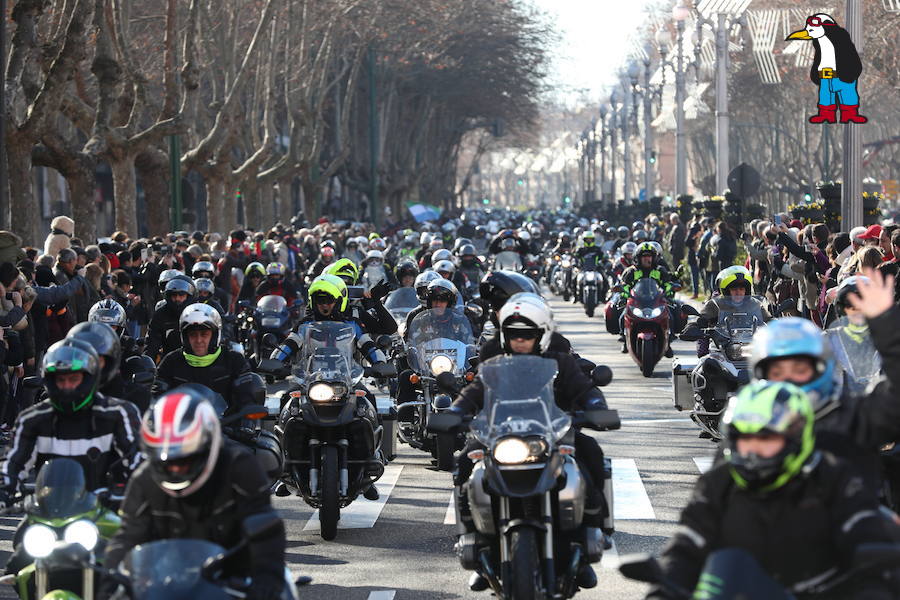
(440, 333)
(372, 275)
(402, 299)
(170, 570)
(60, 491)
(646, 292)
(858, 362)
(271, 304)
(508, 260)
(327, 352)
(519, 400)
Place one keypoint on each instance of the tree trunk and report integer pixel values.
(311, 208)
(125, 193)
(24, 215)
(286, 201)
(250, 191)
(81, 184)
(153, 172)
(215, 203)
(266, 196)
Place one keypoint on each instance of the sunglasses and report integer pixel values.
(817, 22)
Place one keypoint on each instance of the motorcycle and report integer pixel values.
(646, 325)
(329, 431)
(439, 348)
(526, 492)
(593, 288)
(263, 326)
(718, 375)
(400, 303)
(734, 573)
(561, 283)
(60, 510)
(180, 569)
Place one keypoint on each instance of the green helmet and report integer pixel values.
(344, 268)
(769, 407)
(734, 275)
(329, 285)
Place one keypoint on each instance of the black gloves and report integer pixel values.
(379, 290)
(384, 369)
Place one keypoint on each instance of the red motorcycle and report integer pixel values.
(646, 325)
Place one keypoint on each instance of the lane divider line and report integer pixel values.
(382, 595)
(363, 514)
(703, 463)
(450, 517)
(630, 500)
(610, 559)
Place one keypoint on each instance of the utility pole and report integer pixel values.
(722, 156)
(648, 131)
(373, 141)
(680, 140)
(851, 190)
(175, 181)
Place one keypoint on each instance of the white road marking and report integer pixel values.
(382, 595)
(652, 421)
(610, 559)
(662, 389)
(450, 517)
(703, 463)
(363, 513)
(630, 499)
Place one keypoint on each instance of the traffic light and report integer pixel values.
(567, 200)
(807, 197)
(485, 201)
(520, 182)
(652, 158)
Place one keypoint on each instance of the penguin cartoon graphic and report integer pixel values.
(835, 69)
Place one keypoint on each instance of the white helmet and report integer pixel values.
(658, 247)
(444, 266)
(374, 255)
(524, 235)
(629, 248)
(441, 254)
(200, 316)
(529, 312)
(425, 238)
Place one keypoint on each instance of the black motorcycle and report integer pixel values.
(261, 327)
(526, 492)
(330, 432)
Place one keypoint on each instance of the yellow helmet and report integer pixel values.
(330, 285)
(344, 268)
(734, 275)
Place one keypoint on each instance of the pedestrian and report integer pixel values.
(691, 243)
(676, 240)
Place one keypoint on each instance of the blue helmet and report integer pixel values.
(796, 337)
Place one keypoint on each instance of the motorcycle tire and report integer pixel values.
(444, 443)
(525, 569)
(330, 509)
(565, 295)
(590, 304)
(648, 357)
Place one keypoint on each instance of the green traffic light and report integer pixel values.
(807, 197)
(485, 201)
(567, 199)
(520, 182)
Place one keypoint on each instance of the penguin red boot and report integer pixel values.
(827, 114)
(849, 114)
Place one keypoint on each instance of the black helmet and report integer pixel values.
(847, 287)
(406, 268)
(180, 285)
(624, 232)
(497, 286)
(110, 312)
(441, 289)
(105, 341)
(71, 356)
(182, 428)
(467, 250)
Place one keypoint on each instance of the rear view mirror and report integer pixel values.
(270, 365)
(601, 375)
(384, 341)
(34, 382)
(475, 310)
(270, 340)
(245, 304)
(691, 333)
(689, 311)
(603, 420)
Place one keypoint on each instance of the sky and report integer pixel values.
(594, 40)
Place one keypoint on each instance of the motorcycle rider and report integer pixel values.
(369, 309)
(853, 427)
(206, 290)
(646, 266)
(563, 243)
(626, 259)
(797, 509)
(328, 300)
(194, 486)
(206, 269)
(469, 265)
(735, 284)
(589, 256)
(162, 335)
(526, 327)
(326, 257)
(406, 272)
(253, 276)
(75, 421)
(202, 359)
(277, 284)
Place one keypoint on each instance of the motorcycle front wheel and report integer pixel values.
(444, 443)
(648, 357)
(330, 509)
(525, 569)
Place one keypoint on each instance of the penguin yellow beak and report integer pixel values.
(799, 35)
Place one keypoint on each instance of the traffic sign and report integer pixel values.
(743, 181)
(642, 195)
(891, 188)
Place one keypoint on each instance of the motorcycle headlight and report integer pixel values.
(511, 451)
(655, 312)
(82, 532)
(270, 322)
(441, 364)
(321, 392)
(39, 541)
(638, 312)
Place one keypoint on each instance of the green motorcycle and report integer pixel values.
(59, 513)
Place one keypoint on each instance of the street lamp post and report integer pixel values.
(680, 12)
(648, 130)
(613, 145)
(626, 139)
(603, 112)
(851, 196)
(722, 149)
